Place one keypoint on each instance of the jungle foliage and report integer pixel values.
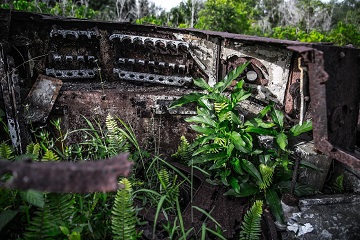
(303, 20)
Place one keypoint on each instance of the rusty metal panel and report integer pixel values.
(335, 96)
(41, 98)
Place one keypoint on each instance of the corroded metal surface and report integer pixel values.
(41, 99)
(134, 71)
(334, 100)
(67, 177)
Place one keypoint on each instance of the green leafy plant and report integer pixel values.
(123, 220)
(57, 211)
(250, 227)
(230, 148)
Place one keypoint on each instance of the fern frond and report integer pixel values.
(50, 156)
(173, 191)
(6, 152)
(58, 211)
(164, 180)
(184, 151)
(117, 141)
(267, 176)
(218, 107)
(33, 150)
(123, 220)
(250, 227)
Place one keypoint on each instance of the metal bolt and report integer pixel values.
(251, 76)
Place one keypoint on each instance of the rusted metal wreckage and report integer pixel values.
(67, 68)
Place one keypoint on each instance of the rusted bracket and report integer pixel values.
(320, 98)
(67, 177)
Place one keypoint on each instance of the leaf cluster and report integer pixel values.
(230, 148)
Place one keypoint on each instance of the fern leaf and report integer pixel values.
(50, 156)
(218, 107)
(267, 176)
(6, 152)
(33, 150)
(58, 211)
(184, 151)
(251, 228)
(164, 180)
(123, 220)
(117, 141)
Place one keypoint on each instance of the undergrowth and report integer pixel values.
(227, 148)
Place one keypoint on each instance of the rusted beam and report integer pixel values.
(67, 177)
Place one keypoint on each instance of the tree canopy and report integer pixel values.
(304, 20)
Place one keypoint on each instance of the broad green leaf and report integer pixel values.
(234, 183)
(208, 157)
(282, 140)
(284, 160)
(203, 130)
(205, 103)
(257, 152)
(33, 197)
(250, 168)
(192, 97)
(218, 86)
(278, 118)
(265, 159)
(207, 148)
(237, 140)
(202, 119)
(239, 143)
(75, 236)
(261, 131)
(240, 96)
(273, 201)
(64, 230)
(229, 149)
(258, 122)
(235, 119)
(248, 140)
(6, 216)
(235, 163)
(202, 84)
(264, 111)
(238, 87)
(203, 140)
(299, 129)
(203, 111)
(217, 97)
(232, 75)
